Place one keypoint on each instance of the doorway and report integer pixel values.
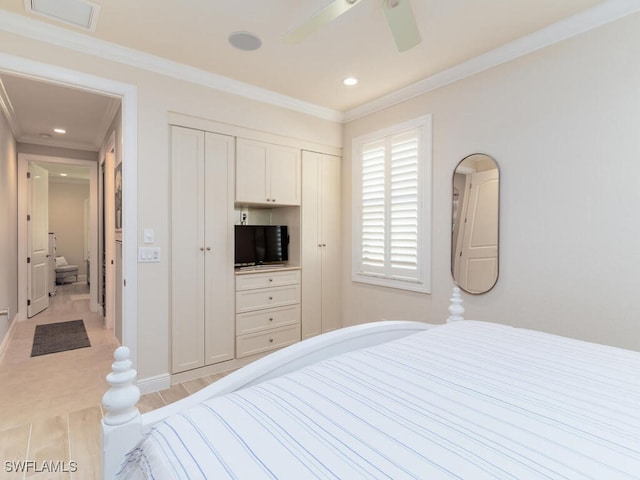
(26, 237)
(74, 79)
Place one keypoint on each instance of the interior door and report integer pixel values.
(479, 252)
(38, 240)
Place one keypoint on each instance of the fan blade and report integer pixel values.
(402, 23)
(324, 16)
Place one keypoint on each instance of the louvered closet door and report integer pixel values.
(187, 258)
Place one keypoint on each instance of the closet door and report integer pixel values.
(311, 280)
(330, 221)
(187, 249)
(321, 249)
(219, 326)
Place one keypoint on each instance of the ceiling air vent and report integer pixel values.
(78, 13)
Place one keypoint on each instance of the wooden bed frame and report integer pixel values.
(123, 426)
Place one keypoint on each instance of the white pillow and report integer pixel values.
(61, 262)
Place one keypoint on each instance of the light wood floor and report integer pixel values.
(50, 406)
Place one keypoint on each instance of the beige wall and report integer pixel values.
(157, 96)
(66, 220)
(8, 226)
(569, 260)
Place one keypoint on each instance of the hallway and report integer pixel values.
(50, 405)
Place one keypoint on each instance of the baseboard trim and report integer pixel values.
(155, 383)
(7, 338)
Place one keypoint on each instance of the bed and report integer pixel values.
(461, 400)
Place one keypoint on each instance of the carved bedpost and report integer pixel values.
(455, 308)
(122, 423)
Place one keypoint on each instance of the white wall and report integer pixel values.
(66, 220)
(564, 125)
(157, 97)
(8, 226)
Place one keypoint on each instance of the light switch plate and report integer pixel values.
(148, 235)
(148, 254)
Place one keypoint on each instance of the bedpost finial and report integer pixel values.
(456, 310)
(120, 400)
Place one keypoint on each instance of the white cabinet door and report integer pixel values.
(330, 221)
(284, 175)
(202, 317)
(187, 239)
(321, 307)
(311, 247)
(267, 174)
(219, 244)
(251, 172)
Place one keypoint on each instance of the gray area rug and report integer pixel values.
(59, 337)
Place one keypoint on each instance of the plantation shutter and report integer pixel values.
(373, 249)
(390, 207)
(404, 205)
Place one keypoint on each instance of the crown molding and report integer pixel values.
(7, 108)
(57, 143)
(44, 32)
(594, 17)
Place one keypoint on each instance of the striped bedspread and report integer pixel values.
(467, 400)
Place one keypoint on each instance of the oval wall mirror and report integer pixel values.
(475, 223)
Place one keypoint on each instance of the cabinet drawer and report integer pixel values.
(258, 299)
(261, 320)
(269, 340)
(250, 281)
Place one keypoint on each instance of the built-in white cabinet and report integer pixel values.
(267, 310)
(321, 252)
(202, 275)
(267, 174)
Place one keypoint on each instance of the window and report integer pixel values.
(392, 206)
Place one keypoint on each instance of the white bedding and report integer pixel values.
(466, 400)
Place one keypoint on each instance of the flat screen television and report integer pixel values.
(261, 244)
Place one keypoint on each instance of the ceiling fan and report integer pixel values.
(399, 16)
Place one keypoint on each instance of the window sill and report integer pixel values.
(420, 287)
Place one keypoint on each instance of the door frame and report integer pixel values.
(23, 201)
(129, 95)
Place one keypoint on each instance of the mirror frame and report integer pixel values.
(456, 211)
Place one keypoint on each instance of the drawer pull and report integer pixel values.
(270, 298)
(271, 340)
(271, 279)
(271, 319)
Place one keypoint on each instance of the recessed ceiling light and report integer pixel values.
(350, 81)
(45, 135)
(246, 41)
(59, 130)
(63, 174)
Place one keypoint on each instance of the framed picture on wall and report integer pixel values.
(117, 186)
